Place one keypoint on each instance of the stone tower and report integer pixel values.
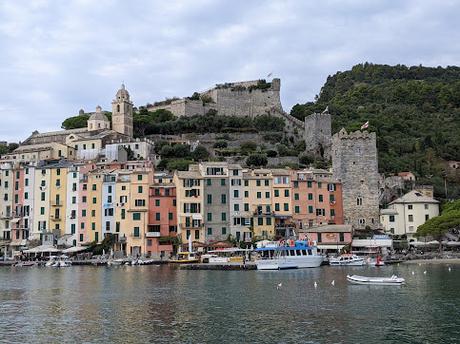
(318, 134)
(354, 163)
(122, 113)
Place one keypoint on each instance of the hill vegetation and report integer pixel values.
(414, 110)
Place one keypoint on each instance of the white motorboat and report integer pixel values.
(298, 255)
(393, 280)
(347, 260)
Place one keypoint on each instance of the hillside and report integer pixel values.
(414, 110)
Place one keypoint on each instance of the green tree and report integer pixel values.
(248, 147)
(257, 160)
(200, 153)
(75, 122)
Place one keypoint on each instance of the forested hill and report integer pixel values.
(414, 110)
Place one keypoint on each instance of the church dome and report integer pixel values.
(98, 115)
(122, 93)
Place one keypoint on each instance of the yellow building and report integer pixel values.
(282, 205)
(57, 198)
(189, 191)
(131, 214)
(258, 200)
(94, 206)
(41, 208)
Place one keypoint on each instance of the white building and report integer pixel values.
(405, 214)
(71, 222)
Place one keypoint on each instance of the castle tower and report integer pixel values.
(354, 163)
(98, 121)
(122, 113)
(318, 134)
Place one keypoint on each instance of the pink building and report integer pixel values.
(329, 238)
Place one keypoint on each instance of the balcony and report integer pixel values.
(6, 216)
(56, 218)
(56, 204)
(152, 234)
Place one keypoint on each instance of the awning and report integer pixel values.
(197, 217)
(43, 249)
(330, 247)
(75, 249)
(19, 242)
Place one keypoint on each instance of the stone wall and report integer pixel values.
(354, 163)
(318, 135)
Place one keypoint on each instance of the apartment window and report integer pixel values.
(269, 221)
(310, 209)
(332, 212)
(157, 216)
(246, 183)
(410, 207)
(341, 237)
(81, 237)
(236, 207)
(26, 182)
(224, 230)
(117, 227)
(42, 210)
(236, 193)
(136, 232)
(139, 177)
(123, 214)
(197, 235)
(296, 184)
(246, 206)
(310, 197)
(209, 231)
(426, 205)
(26, 195)
(359, 201)
(246, 194)
(72, 228)
(139, 189)
(83, 213)
(222, 182)
(277, 207)
(296, 196)
(136, 216)
(267, 194)
(427, 217)
(267, 182)
(93, 187)
(209, 199)
(286, 193)
(94, 200)
(139, 202)
(224, 216)
(157, 203)
(223, 199)
(309, 184)
(83, 199)
(297, 209)
(258, 182)
(320, 239)
(286, 206)
(43, 197)
(93, 226)
(170, 216)
(85, 187)
(392, 218)
(320, 185)
(277, 193)
(411, 218)
(82, 225)
(260, 221)
(74, 199)
(93, 213)
(259, 194)
(320, 198)
(109, 199)
(208, 182)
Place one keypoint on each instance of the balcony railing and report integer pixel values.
(152, 234)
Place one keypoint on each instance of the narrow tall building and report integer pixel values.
(122, 113)
(318, 134)
(354, 163)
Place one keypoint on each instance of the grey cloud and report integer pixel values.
(58, 57)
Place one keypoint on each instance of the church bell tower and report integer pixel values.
(122, 113)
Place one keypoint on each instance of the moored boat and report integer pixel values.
(346, 260)
(296, 255)
(393, 280)
(185, 258)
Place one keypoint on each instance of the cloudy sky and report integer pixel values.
(60, 56)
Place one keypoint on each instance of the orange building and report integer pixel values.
(316, 198)
(162, 226)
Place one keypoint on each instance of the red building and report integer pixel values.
(316, 198)
(162, 227)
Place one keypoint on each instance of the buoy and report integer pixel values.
(316, 285)
(413, 273)
(333, 282)
(424, 272)
(279, 285)
(450, 269)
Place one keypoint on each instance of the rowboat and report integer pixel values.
(393, 280)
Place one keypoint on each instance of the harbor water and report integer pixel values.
(161, 304)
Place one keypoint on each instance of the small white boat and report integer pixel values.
(347, 260)
(393, 280)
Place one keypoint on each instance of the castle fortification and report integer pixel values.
(354, 163)
(318, 135)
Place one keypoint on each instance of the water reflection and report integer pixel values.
(161, 304)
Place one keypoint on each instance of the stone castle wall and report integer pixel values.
(317, 135)
(354, 163)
